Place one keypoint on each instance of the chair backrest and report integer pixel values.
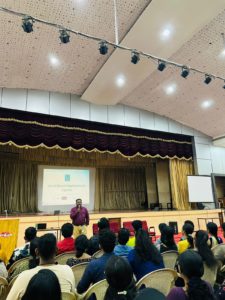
(145, 225)
(61, 259)
(68, 296)
(18, 267)
(98, 289)
(114, 227)
(3, 288)
(219, 252)
(170, 259)
(163, 279)
(98, 254)
(78, 271)
(11, 283)
(210, 274)
(95, 228)
(129, 226)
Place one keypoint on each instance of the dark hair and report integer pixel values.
(43, 286)
(145, 248)
(201, 239)
(223, 226)
(213, 229)
(188, 230)
(67, 230)
(191, 265)
(137, 224)
(47, 246)
(81, 245)
(103, 223)
(162, 226)
(149, 293)
(30, 233)
(33, 261)
(119, 276)
(123, 236)
(167, 236)
(107, 240)
(190, 223)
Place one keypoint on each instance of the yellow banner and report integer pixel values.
(8, 237)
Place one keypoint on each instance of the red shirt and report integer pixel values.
(66, 245)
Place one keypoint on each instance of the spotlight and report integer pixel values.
(64, 36)
(208, 79)
(103, 48)
(161, 65)
(27, 24)
(135, 57)
(185, 72)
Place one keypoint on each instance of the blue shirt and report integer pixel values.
(94, 272)
(122, 250)
(140, 267)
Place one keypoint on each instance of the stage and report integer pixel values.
(153, 218)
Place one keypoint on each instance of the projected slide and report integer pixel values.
(63, 186)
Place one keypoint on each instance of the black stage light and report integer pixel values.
(185, 72)
(208, 79)
(27, 24)
(135, 57)
(224, 85)
(103, 47)
(161, 65)
(64, 36)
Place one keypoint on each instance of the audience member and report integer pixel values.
(81, 245)
(122, 249)
(67, 244)
(3, 271)
(137, 224)
(144, 258)
(191, 269)
(103, 223)
(213, 239)
(34, 259)
(46, 251)
(43, 286)
(149, 294)
(193, 228)
(219, 252)
(158, 241)
(187, 241)
(167, 240)
(119, 276)
(94, 272)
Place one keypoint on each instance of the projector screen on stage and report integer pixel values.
(200, 189)
(58, 187)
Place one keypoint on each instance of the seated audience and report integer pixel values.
(201, 245)
(43, 286)
(190, 223)
(191, 269)
(187, 241)
(46, 251)
(137, 224)
(119, 276)
(3, 271)
(81, 245)
(67, 244)
(149, 294)
(213, 239)
(167, 240)
(122, 249)
(158, 241)
(94, 272)
(144, 258)
(93, 247)
(219, 252)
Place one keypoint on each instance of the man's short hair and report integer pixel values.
(103, 223)
(123, 236)
(67, 230)
(107, 240)
(137, 224)
(47, 246)
(30, 233)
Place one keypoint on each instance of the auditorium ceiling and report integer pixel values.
(188, 32)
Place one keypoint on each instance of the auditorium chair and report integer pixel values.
(98, 289)
(114, 227)
(98, 254)
(170, 259)
(61, 259)
(78, 271)
(18, 267)
(128, 225)
(68, 296)
(3, 288)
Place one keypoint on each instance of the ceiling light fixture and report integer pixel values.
(207, 103)
(120, 80)
(135, 57)
(54, 60)
(165, 34)
(208, 79)
(64, 36)
(170, 89)
(103, 47)
(161, 65)
(27, 24)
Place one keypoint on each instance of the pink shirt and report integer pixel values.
(79, 217)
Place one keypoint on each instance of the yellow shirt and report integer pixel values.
(131, 241)
(183, 246)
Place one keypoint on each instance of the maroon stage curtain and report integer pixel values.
(31, 130)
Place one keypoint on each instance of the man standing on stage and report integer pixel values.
(80, 218)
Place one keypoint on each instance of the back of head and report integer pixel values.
(81, 245)
(43, 286)
(190, 223)
(34, 261)
(188, 229)
(67, 230)
(162, 226)
(137, 224)
(223, 227)
(212, 228)
(123, 236)
(191, 266)
(103, 223)
(201, 239)
(149, 294)
(107, 240)
(30, 233)
(167, 236)
(47, 246)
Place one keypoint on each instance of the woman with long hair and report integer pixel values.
(167, 240)
(81, 246)
(119, 276)
(191, 269)
(201, 245)
(187, 241)
(144, 258)
(213, 231)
